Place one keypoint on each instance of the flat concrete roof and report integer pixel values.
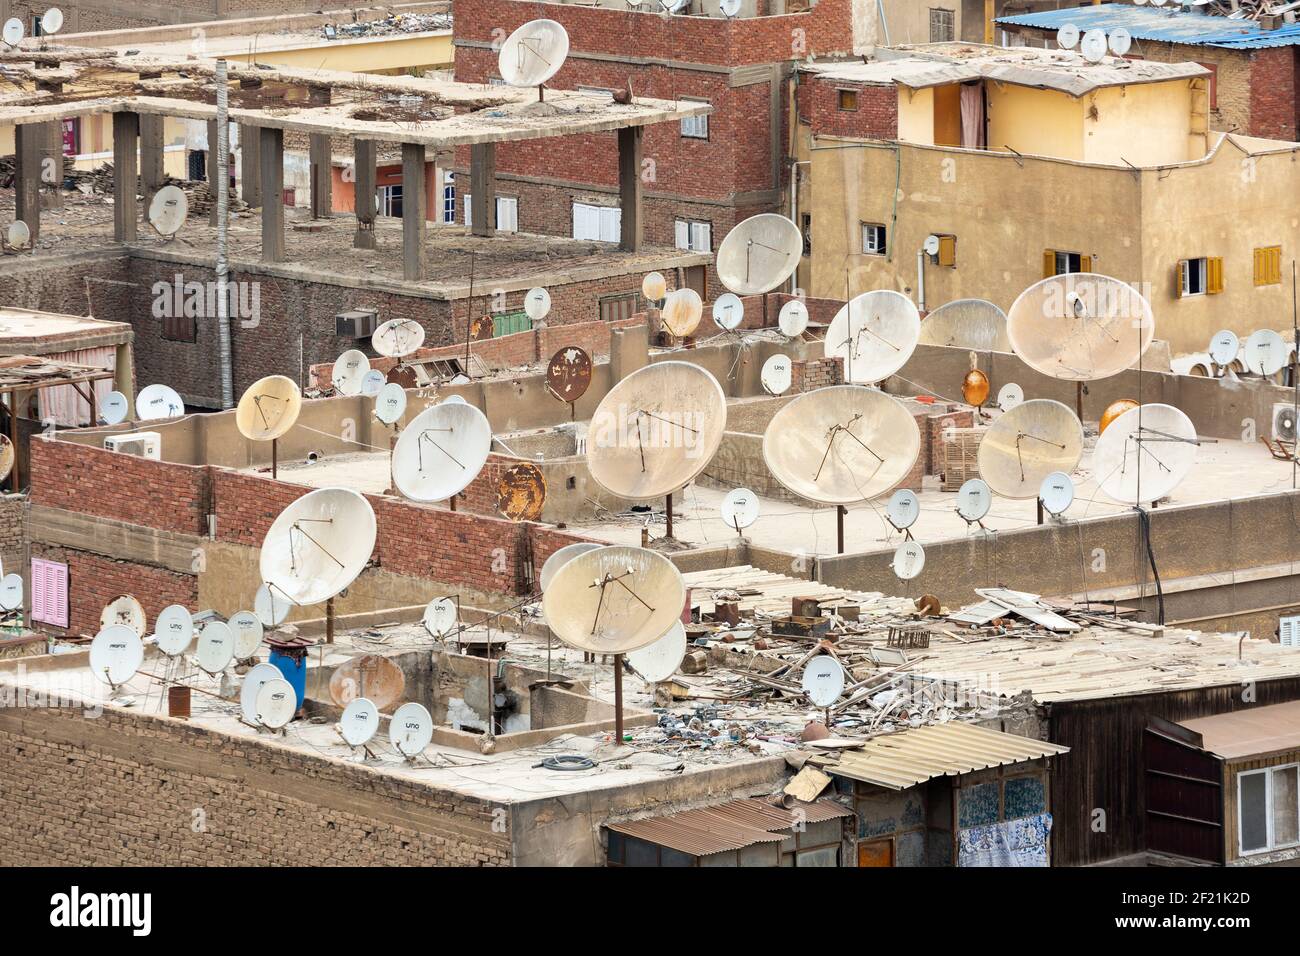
(29, 332)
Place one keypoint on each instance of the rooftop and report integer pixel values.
(1162, 25)
(1247, 733)
(23, 331)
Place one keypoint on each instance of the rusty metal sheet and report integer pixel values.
(403, 375)
(376, 678)
(521, 492)
(482, 328)
(568, 375)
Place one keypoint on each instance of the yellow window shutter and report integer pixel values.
(1178, 279)
(1085, 263)
(1276, 271)
(1049, 263)
(1261, 270)
(947, 250)
(1214, 279)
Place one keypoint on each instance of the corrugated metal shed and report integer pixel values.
(727, 826)
(1162, 26)
(910, 757)
(1249, 733)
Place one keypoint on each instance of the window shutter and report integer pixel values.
(1085, 263)
(683, 232)
(469, 219)
(701, 237)
(1179, 280)
(611, 220)
(1049, 263)
(948, 250)
(1214, 280)
(50, 592)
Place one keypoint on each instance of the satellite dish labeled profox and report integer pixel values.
(257, 676)
(1056, 493)
(158, 401)
(318, 545)
(1265, 352)
(533, 53)
(216, 647)
(116, 654)
(441, 451)
(974, 499)
(823, 680)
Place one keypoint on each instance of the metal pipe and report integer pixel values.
(223, 201)
(920, 280)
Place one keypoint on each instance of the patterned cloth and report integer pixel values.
(1020, 842)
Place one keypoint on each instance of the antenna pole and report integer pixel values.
(1078, 401)
(1295, 376)
(275, 455)
(840, 511)
(669, 512)
(221, 170)
(329, 621)
(618, 699)
(1040, 510)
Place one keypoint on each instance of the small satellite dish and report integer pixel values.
(823, 680)
(7, 457)
(1144, 454)
(875, 333)
(562, 557)
(729, 8)
(1120, 41)
(759, 253)
(440, 616)
(254, 680)
(568, 374)
(728, 311)
(903, 508)
(116, 654)
(441, 451)
(1027, 444)
(776, 375)
(410, 729)
(372, 382)
(660, 660)
(1265, 352)
(359, 722)
(216, 647)
(533, 53)
(158, 401)
(126, 610)
(793, 319)
(974, 498)
(1056, 493)
(268, 408)
(390, 403)
(349, 369)
(318, 545)
(739, 508)
(18, 236)
(681, 311)
(52, 21)
(1009, 396)
(1067, 36)
(537, 304)
(248, 630)
(654, 287)
(397, 337)
(931, 245)
(12, 31)
(1224, 347)
(967, 324)
(167, 210)
(11, 592)
(271, 608)
(174, 629)
(113, 408)
(909, 560)
(521, 492)
(277, 702)
(1093, 46)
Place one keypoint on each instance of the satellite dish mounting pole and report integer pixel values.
(222, 146)
(1078, 400)
(1040, 509)
(840, 511)
(618, 697)
(329, 621)
(275, 457)
(668, 511)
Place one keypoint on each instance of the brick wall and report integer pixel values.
(875, 117)
(13, 533)
(813, 374)
(1273, 105)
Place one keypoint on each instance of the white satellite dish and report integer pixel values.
(1140, 3)
(397, 337)
(174, 629)
(974, 498)
(454, 400)
(318, 545)
(1009, 396)
(1265, 352)
(776, 374)
(253, 681)
(729, 8)
(12, 31)
(359, 722)
(823, 680)
(903, 508)
(1120, 41)
(1224, 347)
(158, 401)
(390, 403)
(660, 660)
(116, 654)
(739, 508)
(792, 319)
(271, 608)
(372, 383)
(440, 617)
(168, 209)
(672, 6)
(759, 253)
(248, 630)
(533, 53)
(1144, 454)
(441, 451)
(410, 729)
(1093, 46)
(537, 304)
(1056, 493)
(113, 408)
(124, 609)
(931, 245)
(728, 311)
(11, 592)
(349, 370)
(216, 647)
(875, 333)
(562, 557)
(909, 560)
(277, 702)
(1067, 36)
(52, 21)
(18, 236)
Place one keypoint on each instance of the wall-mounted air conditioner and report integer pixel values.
(357, 324)
(143, 444)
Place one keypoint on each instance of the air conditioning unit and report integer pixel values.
(1284, 424)
(1288, 630)
(143, 444)
(357, 324)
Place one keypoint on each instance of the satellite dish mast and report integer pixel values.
(267, 410)
(441, 451)
(167, 211)
(1067, 36)
(533, 54)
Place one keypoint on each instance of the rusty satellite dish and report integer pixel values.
(125, 610)
(268, 408)
(656, 430)
(521, 492)
(681, 312)
(1027, 444)
(568, 374)
(967, 324)
(6, 457)
(759, 254)
(403, 375)
(875, 334)
(370, 676)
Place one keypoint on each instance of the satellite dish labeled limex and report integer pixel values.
(792, 320)
(359, 722)
(681, 312)
(116, 654)
(537, 304)
(318, 545)
(349, 370)
(1027, 444)
(656, 430)
(776, 374)
(259, 675)
(268, 408)
(1224, 347)
(614, 600)
(562, 557)
(390, 403)
(1080, 326)
(967, 324)
(1056, 492)
(277, 702)
(397, 337)
(660, 660)
(113, 408)
(440, 616)
(841, 444)
(974, 499)
(903, 508)
(216, 647)
(728, 311)
(534, 53)
(1265, 352)
(410, 729)
(167, 210)
(158, 401)
(124, 610)
(248, 630)
(909, 560)
(271, 608)
(823, 680)
(875, 333)
(1144, 454)
(739, 508)
(174, 629)
(441, 451)
(759, 254)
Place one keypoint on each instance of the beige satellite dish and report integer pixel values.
(167, 210)
(349, 372)
(656, 430)
(967, 324)
(533, 53)
(841, 444)
(268, 408)
(681, 312)
(127, 611)
(1080, 326)
(397, 337)
(18, 235)
(614, 600)
(1027, 444)
(759, 254)
(654, 286)
(659, 661)
(875, 334)
(441, 451)
(562, 557)
(7, 457)
(318, 545)
(1144, 454)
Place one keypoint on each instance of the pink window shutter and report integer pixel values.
(50, 592)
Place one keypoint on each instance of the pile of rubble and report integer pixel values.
(391, 25)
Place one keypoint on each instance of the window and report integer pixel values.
(179, 328)
(1214, 83)
(942, 25)
(1268, 265)
(598, 223)
(848, 99)
(694, 235)
(615, 308)
(507, 212)
(50, 592)
(947, 250)
(695, 127)
(806, 229)
(1202, 276)
(449, 197)
(873, 238)
(388, 201)
(1058, 263)
(496, 81)
(1268, 814)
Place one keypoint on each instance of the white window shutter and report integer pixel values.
(683, 230)
(611, 220)
(469, 219)
(1288, 631)
(701, 240)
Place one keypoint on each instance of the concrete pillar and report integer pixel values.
(482, 188)
(414, 196)
(124, 372)
(322, 177)
(53, 171)
(217, 166)
(271, 151)
(126, 213)
(250, 165)
(28, 150)
(629, 188)
(363, 152)
(151, 160)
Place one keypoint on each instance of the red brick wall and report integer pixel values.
(813, 374)
(1273, 105)
(876, 116)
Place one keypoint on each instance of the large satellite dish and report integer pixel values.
(533, 53)
(116, 654)
(167, 210)
(318, 545)
(792, 320)
(441, 451)
(113, 408)
(681, 311)
(875, 333)
(277, 702)
(349, 372)
(124, 609)
(158, 401)
(174, 629)
(759, 254)
(1027, 444)
(390, 403)
(1265, 352)
(397, 337)
(656, 430)
(967, 324)
(268, 408)
(410, 729)
(823, 680)
(1144, 454)
(562, 557)
(253, 681)
(614, 600)
(215, 648)
(841, 444)
(359, 722)
(1080, 326)
(659, 661)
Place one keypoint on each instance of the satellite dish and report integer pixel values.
(369, 675)
(793, 319)
(174, 629)
(875, 333)
(158, 401)
(254, 680)
(1140, 3)
(167, 210)
(1224, 347)
(1265, 352)
(113, 408)
(1067, 36)
(656, 430)
(359, 722)
(729, 8)
(660, 660)
(11, 592)
(909, 560)
(372, 383)
(728, 311)
(931, 245)
(967, 324)
(823, 680)
(974, 499)
(277, 702)
(52, 21)
(410, 729)
(268, 408)
(125, 610)
(613, 600)
(533, 53)
(1120, 41)
(759, 253)
(739, 508)
(1144, 454)
(681, 311)
(7, 457)
(1027, 444)
(672, 6)
(349, 369)
(216, 647)
(1009, 396)
(521, 492)
(654, 287)
(440, 616)
(271, 608)
(390, 403)
(903, 508)
(397, 337)
(776, 375)
(975, 388)
(537, 304)
(560, 558)
(318, 545)
(1093, 46)
(116, 654)
(441, 451)
(568, 374)
(841, 444)
(248, 630)
(1113, 411)
(1056, 493)
(18, 235)
(12, 31)
(454, 399)
(1080, 326)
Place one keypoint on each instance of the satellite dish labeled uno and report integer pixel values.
(909, 560)
(792, 320)
(125, 610)
(1265, 352)
(823, 680)
(390, 403)
(397, 337)
(441, 451)
(875, 333)
(349, 370)
(1144, 454)
(410, 729)
(359, 722)
(533, 53)
(1009, 396)
(116, 653)
(318, 545)
(277, 702)
(440, 617)
(174, 629)
(759, 254)
(113, 408)
(776, 374)
(740, 508)
(254, 680)
(167, 210)
(1027, 444)
(660, 660)
(158, 401)
(728, 311)
(268, 408)
(562, 557)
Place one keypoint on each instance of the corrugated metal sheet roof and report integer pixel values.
(1162, 25)
(727, 826)
(1247, 733)
(910, 757)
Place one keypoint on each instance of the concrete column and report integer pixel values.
(629, 188)
(126, 213)
(53, 175)
(322, 177)
(363, 151)
(217, 166)
(272, 166)
(28, 150)
(413, 202)
(482, 188)
(250, 165)
(124, 372)
(151, 159)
